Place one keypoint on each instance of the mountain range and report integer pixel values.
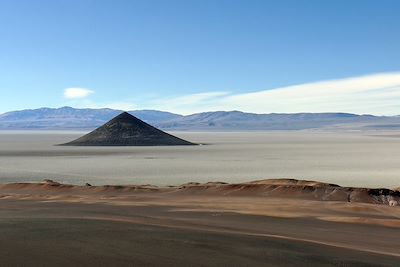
(83, 119)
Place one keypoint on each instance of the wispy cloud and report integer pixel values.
(77, 93)
(371, 94)
(187, 104)
(126, 106)
(377, 94)
(88, 103)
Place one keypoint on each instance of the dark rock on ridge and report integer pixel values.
(127, 130)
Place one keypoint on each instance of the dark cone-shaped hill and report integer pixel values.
(127, 130)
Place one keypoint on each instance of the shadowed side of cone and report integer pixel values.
(127, 130)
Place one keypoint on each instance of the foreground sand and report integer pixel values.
(263, 223)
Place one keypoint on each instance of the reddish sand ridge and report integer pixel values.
(286, 198)
(282, 188)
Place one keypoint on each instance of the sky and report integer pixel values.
(194, 56)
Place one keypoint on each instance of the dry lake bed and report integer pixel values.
(349, 159)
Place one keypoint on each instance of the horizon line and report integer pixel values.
(214, 111)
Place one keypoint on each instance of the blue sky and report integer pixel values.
(192, 56)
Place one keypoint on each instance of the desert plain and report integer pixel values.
(366, 159)
(198, 206)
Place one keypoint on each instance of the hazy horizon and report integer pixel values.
(205, 111)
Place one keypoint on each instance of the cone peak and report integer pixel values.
(127, 130)
(124, 115)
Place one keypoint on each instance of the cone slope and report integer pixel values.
(127, 130)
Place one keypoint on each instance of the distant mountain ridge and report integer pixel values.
(83, 119)
(72, 118)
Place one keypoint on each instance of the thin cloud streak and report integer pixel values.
(87, 103)
(377, 94)
(187, 104)
(125, 106)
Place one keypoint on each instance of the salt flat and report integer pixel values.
(348, 159)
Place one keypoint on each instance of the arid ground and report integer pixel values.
(351, 159)
(51, 224)
(159, 223)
